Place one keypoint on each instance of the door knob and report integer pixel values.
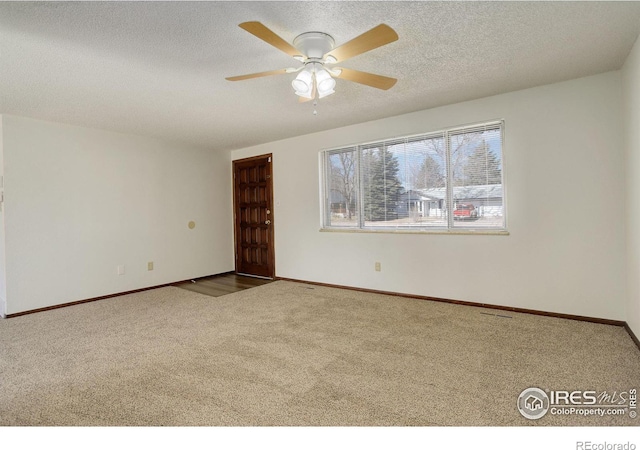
(267, 222)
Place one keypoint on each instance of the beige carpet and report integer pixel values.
(292, 354)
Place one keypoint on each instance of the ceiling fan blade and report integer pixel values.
(262, 32)
(374, 38)
(257, 75)
(370, 79)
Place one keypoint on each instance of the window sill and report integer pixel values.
(422, 231)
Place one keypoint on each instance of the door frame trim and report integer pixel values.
(272, 244)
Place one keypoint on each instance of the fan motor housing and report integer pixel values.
(314, 44)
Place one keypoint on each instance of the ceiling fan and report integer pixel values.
(315, 50)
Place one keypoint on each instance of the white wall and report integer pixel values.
(79, 202)
(564, 168)
(631, 111)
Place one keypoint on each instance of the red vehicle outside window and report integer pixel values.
(465, 211)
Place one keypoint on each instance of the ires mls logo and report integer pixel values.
(534, 403)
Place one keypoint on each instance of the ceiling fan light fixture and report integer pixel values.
(324, 83)
(303, 82)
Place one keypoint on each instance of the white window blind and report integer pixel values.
(476, 179)
(341, 194)
(451, 179)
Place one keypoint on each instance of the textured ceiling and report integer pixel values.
(158, 68)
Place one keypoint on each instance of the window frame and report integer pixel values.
(448, 227)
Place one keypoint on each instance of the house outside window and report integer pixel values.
(449, 180)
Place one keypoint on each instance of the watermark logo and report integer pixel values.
(588, 445)
(533, 403)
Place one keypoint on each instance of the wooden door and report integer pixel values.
(253, 204)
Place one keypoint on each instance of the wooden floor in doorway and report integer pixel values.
(219, 285)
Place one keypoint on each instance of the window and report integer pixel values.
(446, 180)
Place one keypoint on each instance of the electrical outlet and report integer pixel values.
(150, 265)
(378, 267)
